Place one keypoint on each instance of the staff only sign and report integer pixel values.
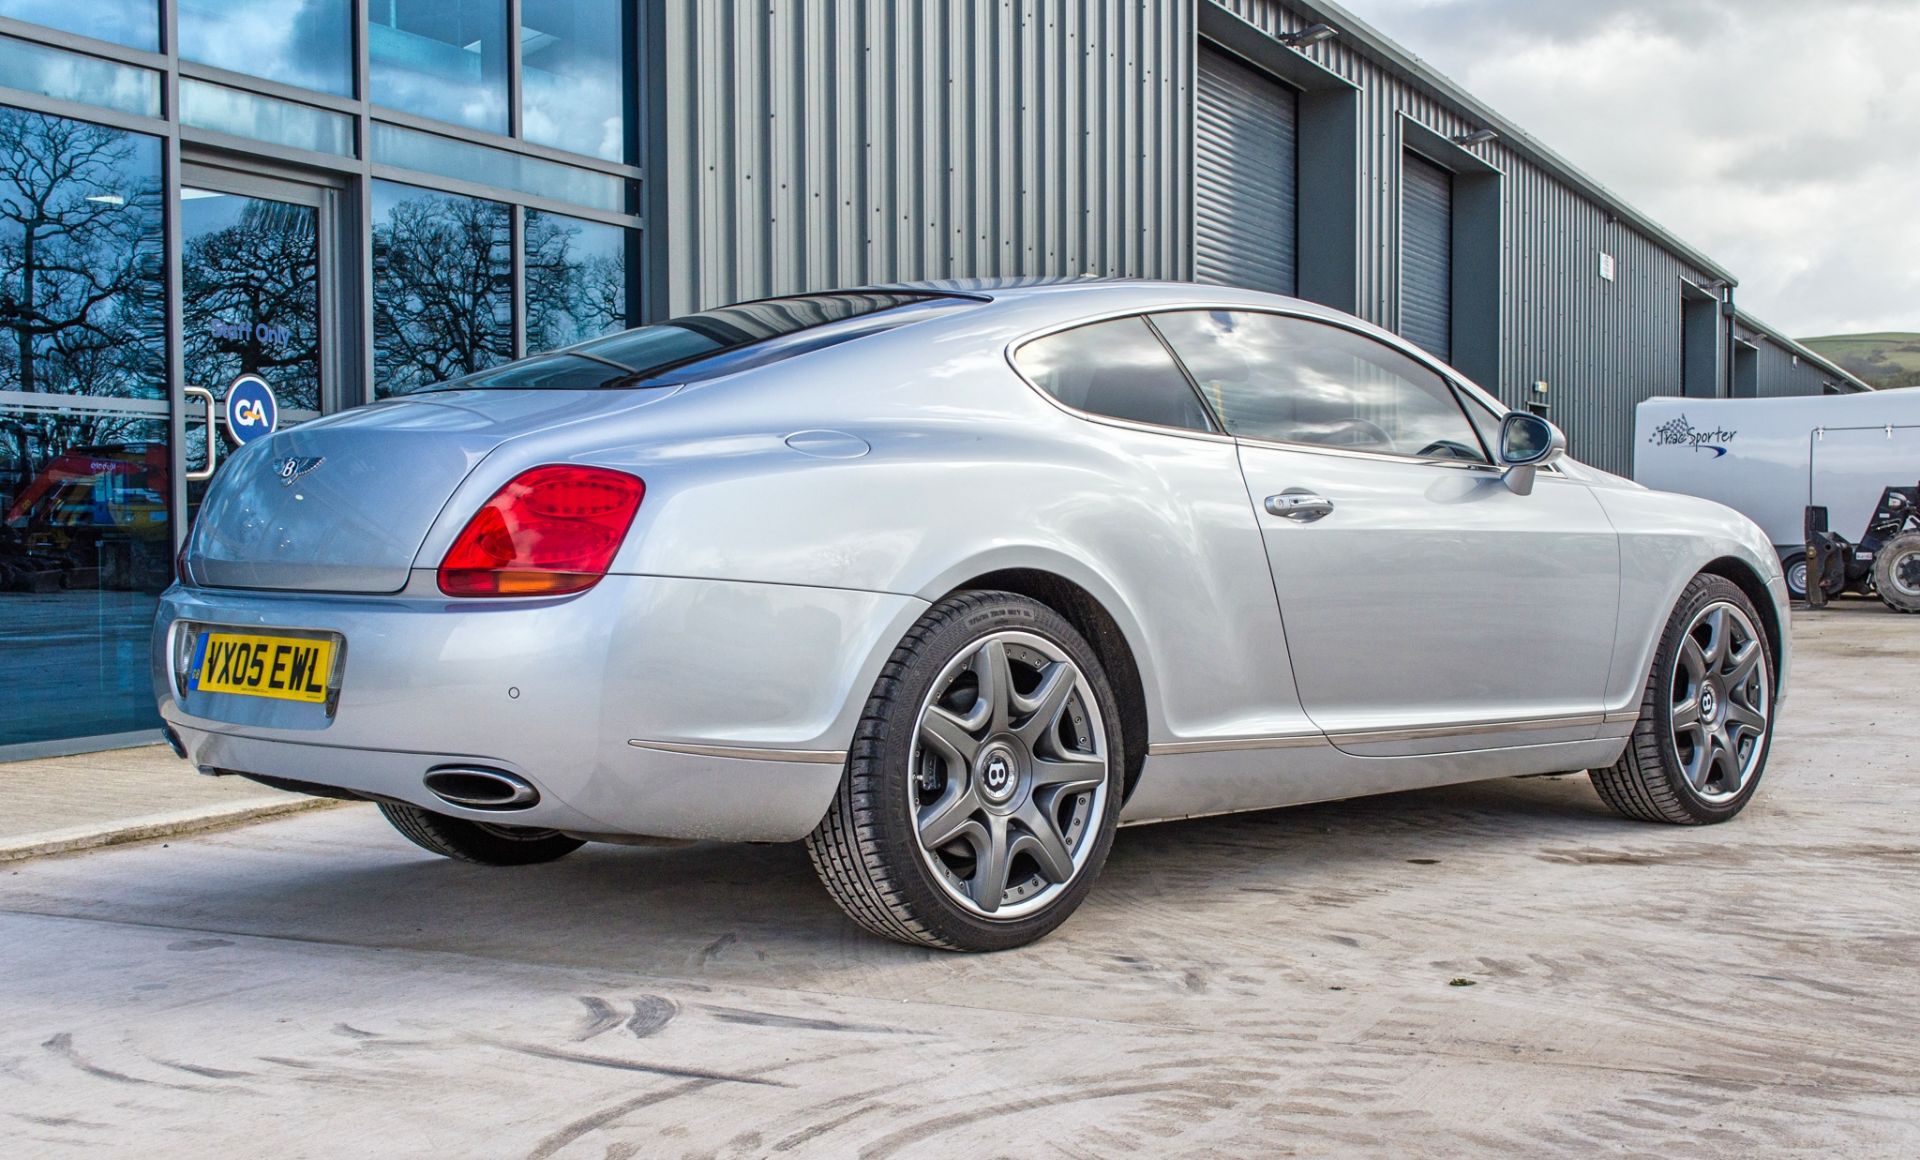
(252, 412)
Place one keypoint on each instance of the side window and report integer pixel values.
(1114, 368)
(1270, 376)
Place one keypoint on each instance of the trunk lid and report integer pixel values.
(343, 503)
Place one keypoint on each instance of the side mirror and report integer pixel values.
(1528, 443)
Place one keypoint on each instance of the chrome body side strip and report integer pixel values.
(1377, 736)
(1232, 744)
(1465, 729)
(746, 752)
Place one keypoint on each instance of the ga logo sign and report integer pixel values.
(252, 412)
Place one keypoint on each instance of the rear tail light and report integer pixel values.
(551, 530)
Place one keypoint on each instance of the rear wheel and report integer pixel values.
(1794, 564)
(481, 842)
(981, 793)
(1706, 718)
(1896, 572)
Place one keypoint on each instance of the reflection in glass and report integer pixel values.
(1295, 380)
(308, 43)
(432, 153)
(81, 300)
(226, 110)
(444, 59)
(442, 286)
(572, 95)
(135, 23)
(73, 76)
(576, 279)
(251, 294)
(85, 546)
(84, 534)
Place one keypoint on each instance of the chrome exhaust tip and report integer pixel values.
(476, 787)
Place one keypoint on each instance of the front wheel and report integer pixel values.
(982, 790)
(1896, 572)
(1706, 718)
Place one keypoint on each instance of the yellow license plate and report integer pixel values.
(286, 668)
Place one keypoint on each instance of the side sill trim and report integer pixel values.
(747, 752)
(1234, 744)
(1467, 729)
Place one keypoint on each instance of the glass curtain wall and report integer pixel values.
(442, 286)
(443, 59)
(305, 43)
(477, 200)
(572, 91)
(134, 23)
(86, 542)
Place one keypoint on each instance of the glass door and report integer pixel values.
(259, 296)
(85, 527)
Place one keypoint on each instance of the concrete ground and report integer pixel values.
(60, 804)
(1273, 984)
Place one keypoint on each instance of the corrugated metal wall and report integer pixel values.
(1600, 346)
(820, 143)
(1782, 371)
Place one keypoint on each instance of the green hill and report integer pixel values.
(1885, 360)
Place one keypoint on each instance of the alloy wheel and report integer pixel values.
(1010, 774)
(1722, 702)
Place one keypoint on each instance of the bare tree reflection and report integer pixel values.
(575, 291)
(250, 302)
(81, 290)
(442, 290)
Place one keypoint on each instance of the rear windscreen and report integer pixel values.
(711, 343)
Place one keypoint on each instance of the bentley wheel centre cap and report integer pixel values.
(997, 775)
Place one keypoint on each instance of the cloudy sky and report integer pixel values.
(1781, 137)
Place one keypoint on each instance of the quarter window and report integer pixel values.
(1114, 368)
(1271, 376)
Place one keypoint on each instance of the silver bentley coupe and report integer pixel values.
(950, 581)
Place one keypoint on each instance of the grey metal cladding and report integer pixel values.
(1426, 255)
(1786, 367)
(1246, 213)
(1780, 372)
(846, 141)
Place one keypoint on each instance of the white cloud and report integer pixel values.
(1782, 138)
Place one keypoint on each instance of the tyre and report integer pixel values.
(1794, 565)
(481, 842)
(1706, 719)
(1896, 572)
(983, 786)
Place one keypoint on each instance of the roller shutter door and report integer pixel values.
(1246, 177)
(1426, 256)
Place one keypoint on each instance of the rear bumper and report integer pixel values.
(743, 697)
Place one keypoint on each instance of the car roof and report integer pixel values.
(1039, 303)
(1097, 293)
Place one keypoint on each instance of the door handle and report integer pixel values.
(1299, 505)
(213, 434)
